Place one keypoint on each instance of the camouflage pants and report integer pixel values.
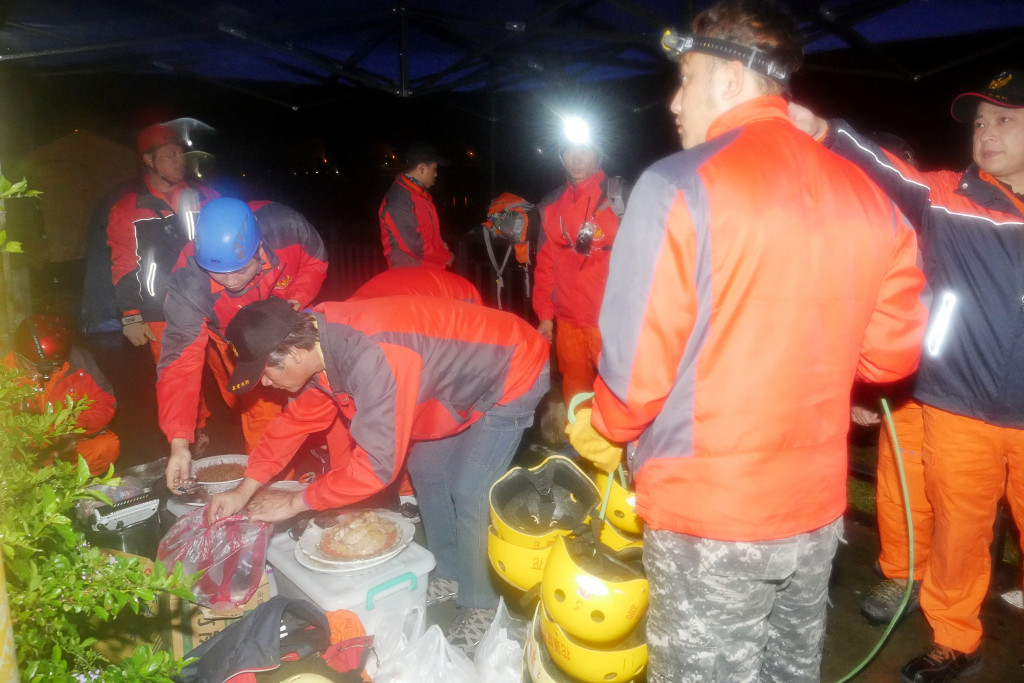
(729, 612)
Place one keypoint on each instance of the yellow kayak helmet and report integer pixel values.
(616, 662)
(531, 507)
(594, 593)
(520, 567)
(621, 509)
(616, 539)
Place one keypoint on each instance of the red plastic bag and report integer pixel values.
(231, 551)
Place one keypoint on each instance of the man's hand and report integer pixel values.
(179, 465)
(451, 256)
(295, 304)
(228, 503)
(139, 334)
(865, 417)
(591, 444)
(547, 329)
(807, 121)
(276, 506)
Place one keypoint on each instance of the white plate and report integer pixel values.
(309, 544)
(323, 568)
(218, 486)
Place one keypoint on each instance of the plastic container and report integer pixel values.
(392, 588)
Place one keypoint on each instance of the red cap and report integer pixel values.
(157, 135)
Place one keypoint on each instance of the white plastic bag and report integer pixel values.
(499, 656)
(393, 635)
(428, 659)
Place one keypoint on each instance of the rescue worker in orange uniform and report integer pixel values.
(44, 352)
(579, 221)
(241, 253)
(450, 386)
(971, 381)
(754, 278)
(409, 228)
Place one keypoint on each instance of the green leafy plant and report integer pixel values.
(9, 190)
(59, 586)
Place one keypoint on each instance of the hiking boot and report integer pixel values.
(441, 590)
(940, 665)
(884, 599)
(468, 628)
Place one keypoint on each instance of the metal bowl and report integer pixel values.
(218, 486)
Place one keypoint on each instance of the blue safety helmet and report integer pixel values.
(227, 236)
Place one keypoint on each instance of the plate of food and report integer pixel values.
(356, 540)
(219, 473)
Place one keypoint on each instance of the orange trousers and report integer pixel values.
(968, 465)
(894, 558)
(258, 407)
(100, 451)
(577, 350)
(154, 348)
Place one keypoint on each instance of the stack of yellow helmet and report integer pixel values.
(530, 509)
(590, 622)
(625, 528)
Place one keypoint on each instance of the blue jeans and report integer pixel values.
(453, 479)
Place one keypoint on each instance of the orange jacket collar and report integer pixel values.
(766, 107)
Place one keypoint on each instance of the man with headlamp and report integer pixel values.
(755, 276)
(579, 222)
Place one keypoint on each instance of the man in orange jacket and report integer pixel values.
(409, 228)
(449, 385)
(579, 221)
(971, 381)
(754, 277)
(61, 371)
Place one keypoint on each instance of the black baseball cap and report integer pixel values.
(253, 334)
(1005, 90)
(422, 153)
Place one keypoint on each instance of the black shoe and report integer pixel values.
(884, 599)
(940, 665)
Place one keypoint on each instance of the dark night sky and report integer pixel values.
(278, 149)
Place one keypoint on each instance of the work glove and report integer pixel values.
(591, 444)
(139, 334)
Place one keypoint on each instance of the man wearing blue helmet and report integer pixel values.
(241, 253)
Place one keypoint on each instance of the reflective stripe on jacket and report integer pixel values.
(755, 276)
(971, 232)
(146, 232)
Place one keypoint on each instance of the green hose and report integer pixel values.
(910, 541)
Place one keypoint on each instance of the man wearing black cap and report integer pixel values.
(971, 379)
(409, 227)
(447, 384)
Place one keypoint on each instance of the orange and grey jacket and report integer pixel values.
(409, 227)
(569, 285)
(418, 281)
(78, 378)
(971, 231)
(398, 370)
(146, 231)
(293, 267)
(755, 276)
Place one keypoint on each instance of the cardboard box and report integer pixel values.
(391, 589)
(169, 623)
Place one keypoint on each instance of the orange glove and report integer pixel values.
(591, 444)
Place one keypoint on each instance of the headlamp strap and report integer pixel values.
(757, 60)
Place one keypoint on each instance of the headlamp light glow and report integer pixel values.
(576, 130)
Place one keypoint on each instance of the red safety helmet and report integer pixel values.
(157, 135)
(44, 340)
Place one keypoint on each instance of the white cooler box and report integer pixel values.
(389, 589)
